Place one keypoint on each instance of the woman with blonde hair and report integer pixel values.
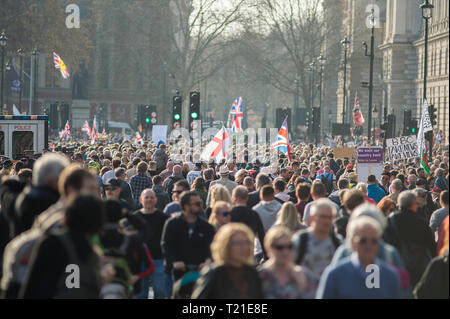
(240, 175)
(233, 274)
(280, 277)
(220, 215)
(218, 193)
(363, 188)
(288, 217)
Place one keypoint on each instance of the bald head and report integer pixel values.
(177, 170)
(148, 201)
(240, 195)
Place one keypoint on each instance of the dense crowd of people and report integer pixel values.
(119, 221)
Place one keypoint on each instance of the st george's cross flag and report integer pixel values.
(138, 139)
(282, 142)
(218, 147)
(236, 116)
(358, 118)
(59, 65)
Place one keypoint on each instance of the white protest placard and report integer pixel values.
(159, 133)
(400, 148)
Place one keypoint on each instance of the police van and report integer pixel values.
(21, 133)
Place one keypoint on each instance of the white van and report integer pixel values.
(120, 128)
(21, 133)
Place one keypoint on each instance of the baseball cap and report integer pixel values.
(349, 166)
(112, 182)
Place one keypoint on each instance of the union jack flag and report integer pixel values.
(86, 128)
(282, 142)
(236, 116)
(59, 65)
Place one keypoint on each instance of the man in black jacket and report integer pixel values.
(243, 214)
(42, 193)
(253, 197)
(411, 235)
(186, 238)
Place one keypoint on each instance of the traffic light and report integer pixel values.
(390, 130)
(432, 114)
(263, 121)
(407, 122)
(176, 120)
(150, 116)
(194, 109)
(53, 117)
(413, 127)
(281, 114)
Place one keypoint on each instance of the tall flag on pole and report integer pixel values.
(282, 142)
(358, 118)
(94, 130)
(59, 65)
(16, 83)
(425, 126)
(236, 116)
(218, 147)
(86, 128)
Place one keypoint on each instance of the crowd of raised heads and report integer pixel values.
(122, 221)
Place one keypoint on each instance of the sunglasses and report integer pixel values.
(177, 192)
(283, 247)
(110, 188)
(365, 241)
(198, 204)
(225, 214)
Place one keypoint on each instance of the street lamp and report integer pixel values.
(321, 61)
(371, 58)
(3, 44)
(345, 43)
(427, 14)
(21, 54)
(311, 69)
(35, 53)
(296, 101)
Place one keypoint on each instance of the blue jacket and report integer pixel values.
(375, 192)
(348, 280)
(442, 183)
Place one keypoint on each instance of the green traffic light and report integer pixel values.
(413, 130)
(176, 117)
(147, 120)
(194, 115)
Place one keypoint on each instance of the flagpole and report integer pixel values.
(31, 85)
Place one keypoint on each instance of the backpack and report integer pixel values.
(325, 179)
(303, 238)
(416, 258)
(90, 279)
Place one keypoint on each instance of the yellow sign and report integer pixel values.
(343, 152)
